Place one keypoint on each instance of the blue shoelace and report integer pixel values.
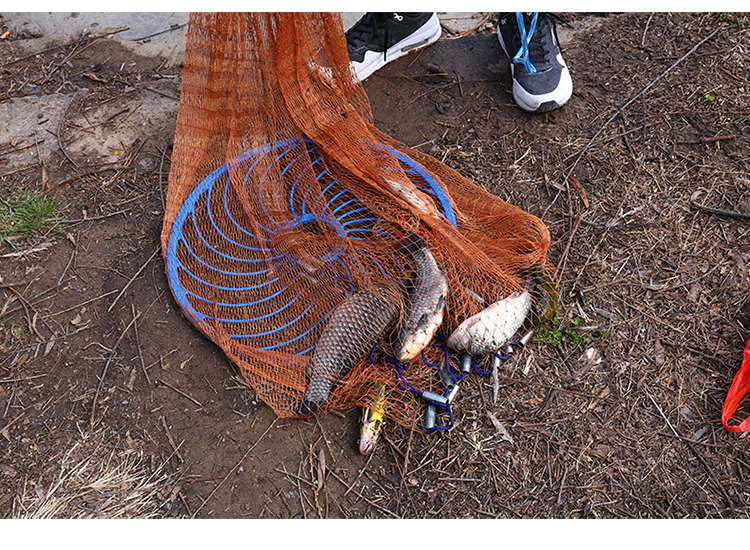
(522, 56)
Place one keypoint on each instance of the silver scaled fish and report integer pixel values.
(491, 328)
(352, 329)
(424, 306)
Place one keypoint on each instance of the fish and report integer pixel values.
(409, 193)
(425, 303)
(373, 419)
(491, 328)
(352, 329)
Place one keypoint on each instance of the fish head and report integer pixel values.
(372, 424)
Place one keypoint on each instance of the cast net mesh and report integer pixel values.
(284, 199)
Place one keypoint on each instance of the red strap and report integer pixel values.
(740, 387)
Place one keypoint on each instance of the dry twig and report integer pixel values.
(104, 372)
(621, 109)
(158, 248)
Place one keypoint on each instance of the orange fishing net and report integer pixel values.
(284, 200)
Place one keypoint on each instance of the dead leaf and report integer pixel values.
(600, 451)
(694, 291)
(500, 428)
(698, 434)
(38, 489)
(578, 187)
(604, 393)
(49, 345)
(22, 360)
(741, 266)
(658, 353)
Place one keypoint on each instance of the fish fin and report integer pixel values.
(307, 407)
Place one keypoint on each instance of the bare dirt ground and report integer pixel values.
(652, 282)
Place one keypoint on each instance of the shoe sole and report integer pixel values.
(545, 102)
(425, 35)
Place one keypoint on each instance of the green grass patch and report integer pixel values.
(734, 19)
(553, 333)
(27, 213)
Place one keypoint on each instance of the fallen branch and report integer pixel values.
(170, 29)
(104, 372)
(183, 394)
(695, 452)
(11, 285)
(138, 343)
(471, 30)
(171, 441)
(716, 211)
(621, 109)
(59, 130)
(25, 303)
(78, 41)
(158, 248)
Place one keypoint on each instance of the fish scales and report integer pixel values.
(352, 329)
(491, 328)
(425, 306)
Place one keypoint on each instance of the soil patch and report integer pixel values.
(612, 411)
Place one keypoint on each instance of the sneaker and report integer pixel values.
(541, 80)
(379, 38)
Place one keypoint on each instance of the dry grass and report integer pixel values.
(94, 480)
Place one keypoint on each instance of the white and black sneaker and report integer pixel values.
(541, 80)
(379, 38)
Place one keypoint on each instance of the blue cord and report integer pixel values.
(523, 53)
(398, 366)
(438, 426)
(375, 359)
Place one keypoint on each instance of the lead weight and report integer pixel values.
(526, 337)
(446, 378)
(429, 418)
(435, 399)
(466, 363)
(452, 394)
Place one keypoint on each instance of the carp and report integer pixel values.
(352, 329)
(424, 306)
